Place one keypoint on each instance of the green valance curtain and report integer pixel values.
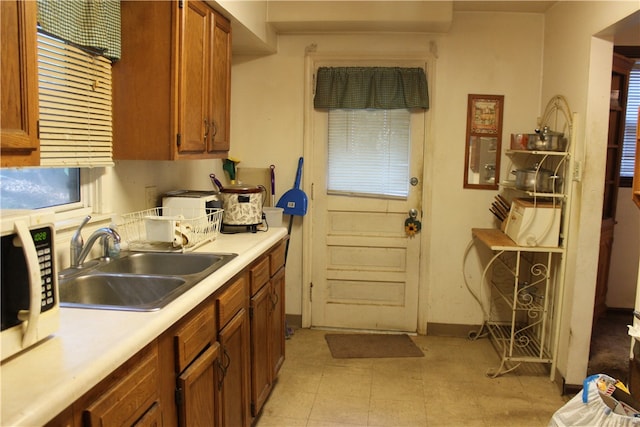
(90, 24)
(371, 87)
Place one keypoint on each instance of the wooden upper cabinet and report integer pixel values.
(166, 86)
(19, 84)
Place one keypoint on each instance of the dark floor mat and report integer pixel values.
(348, 346)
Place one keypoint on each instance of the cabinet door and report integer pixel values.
(194, 75)
(277, 321)
(198, 404)
(234, 340)
(145, 82)
(220, 85)
(261, 369)
(19, 84)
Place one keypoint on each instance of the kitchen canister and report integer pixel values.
(242, 204)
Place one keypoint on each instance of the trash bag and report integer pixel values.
(596, 407)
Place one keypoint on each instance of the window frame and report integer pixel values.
(632, 52)
(627, 181)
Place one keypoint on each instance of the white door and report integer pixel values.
(364, 268)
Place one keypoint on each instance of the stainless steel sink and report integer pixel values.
(138, 281)
(124, 292)
(160, 263)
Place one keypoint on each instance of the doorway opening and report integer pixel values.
(618, 261)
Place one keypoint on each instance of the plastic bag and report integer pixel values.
(589, 409)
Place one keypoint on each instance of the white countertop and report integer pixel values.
(41, 382)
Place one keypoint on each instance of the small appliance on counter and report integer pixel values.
(29, 303)
(242, 205)
(534, 223)
(191, 199)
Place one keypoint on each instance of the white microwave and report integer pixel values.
(29, 305)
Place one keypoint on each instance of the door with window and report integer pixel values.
(367, 178)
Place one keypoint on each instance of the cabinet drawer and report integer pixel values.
(130, 397)
(232, 300)
(194, 335)
(277, 257)
(259, 275)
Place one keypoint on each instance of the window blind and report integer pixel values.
(75, 106)
(369, 153)
(631, 123)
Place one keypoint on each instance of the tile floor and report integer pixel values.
(447, 387)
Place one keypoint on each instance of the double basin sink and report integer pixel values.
(139, 281)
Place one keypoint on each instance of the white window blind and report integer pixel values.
(631, 123)
(75, 106)
(369, 153)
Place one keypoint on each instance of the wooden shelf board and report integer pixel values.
(498, 241)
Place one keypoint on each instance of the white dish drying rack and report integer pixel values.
(169, 229)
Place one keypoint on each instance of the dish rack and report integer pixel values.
(169, 229)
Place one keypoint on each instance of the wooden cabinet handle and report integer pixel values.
(223, 374)
(215, 128)
(207, 125)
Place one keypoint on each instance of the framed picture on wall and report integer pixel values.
(483, 141)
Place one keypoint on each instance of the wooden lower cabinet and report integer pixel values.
(267, 325)
(234, 341)
(214, 367)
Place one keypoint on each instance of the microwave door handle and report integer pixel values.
(35, 286)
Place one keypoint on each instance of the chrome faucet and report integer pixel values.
(79, 250)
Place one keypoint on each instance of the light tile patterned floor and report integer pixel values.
(447, 387)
